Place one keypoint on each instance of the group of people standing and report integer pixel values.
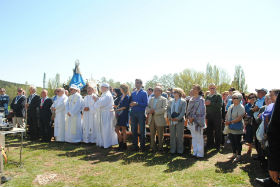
(89, 119)
(38, 113)
(104, 118)
(76, 119)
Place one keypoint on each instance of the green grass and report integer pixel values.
(88, 165)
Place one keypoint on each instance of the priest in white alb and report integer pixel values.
(90, 120)
(74, 106)
(107, 128)
(60, 115)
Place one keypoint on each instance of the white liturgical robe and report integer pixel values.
(60, 118)
(73, 128)
(107, 130)
(90, 120)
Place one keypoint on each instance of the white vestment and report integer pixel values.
(107, 115)
(89, 120)
(73, 127)
(60, 118)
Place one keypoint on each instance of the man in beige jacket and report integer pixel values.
(156, 111)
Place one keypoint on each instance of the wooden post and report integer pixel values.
(2, 145)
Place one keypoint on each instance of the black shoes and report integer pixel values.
(135, 148)
(267, 182)
(5, 179)
(122, 146)
(143, 148)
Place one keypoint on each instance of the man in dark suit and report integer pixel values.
(45, 117)
(33, 105)
(18, 109)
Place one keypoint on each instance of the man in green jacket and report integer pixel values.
(214, 103)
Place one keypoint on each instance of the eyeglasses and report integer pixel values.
(234, 98)
(212, 88)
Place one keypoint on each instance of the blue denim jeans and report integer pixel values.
(138, 117)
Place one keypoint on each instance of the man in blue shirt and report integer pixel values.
(55, 95)
(138, 104)
(260, 101)
(256, 109)
(4, 101)
(229, 98)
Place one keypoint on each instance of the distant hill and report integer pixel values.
(11, 88)
(4, 84)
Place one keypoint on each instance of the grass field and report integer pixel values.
(63, 164)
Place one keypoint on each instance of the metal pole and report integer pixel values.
(21, 148)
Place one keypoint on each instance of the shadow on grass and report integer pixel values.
(173, 162)
(250, 166)
(94, 154)
(254, 171)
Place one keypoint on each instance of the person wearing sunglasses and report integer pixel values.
(234, 120)
(18, 109)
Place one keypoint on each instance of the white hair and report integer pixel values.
(33, 88)
(267, 96)
(61, 89)
(238, 95)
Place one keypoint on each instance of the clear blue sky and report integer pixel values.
(125, 39)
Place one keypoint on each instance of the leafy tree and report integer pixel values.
(188, 78)
(239, 82)
(152, 83)
(53, 84)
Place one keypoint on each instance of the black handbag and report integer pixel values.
(175, 115)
